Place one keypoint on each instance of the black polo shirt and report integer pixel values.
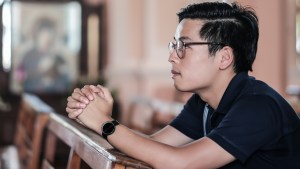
(252, 122)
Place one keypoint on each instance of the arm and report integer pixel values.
(203, 153)
(80, 98)
(167, 135)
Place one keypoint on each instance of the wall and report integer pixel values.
(139, 32)
(269, 64)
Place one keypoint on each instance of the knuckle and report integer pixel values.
(67, 110)
(73, 95)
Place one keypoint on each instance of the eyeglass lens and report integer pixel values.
(178, 46)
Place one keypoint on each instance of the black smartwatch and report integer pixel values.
(108, 128)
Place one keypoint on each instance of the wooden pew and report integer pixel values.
(26, 150)
(85, 145)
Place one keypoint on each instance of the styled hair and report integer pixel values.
(232, 25)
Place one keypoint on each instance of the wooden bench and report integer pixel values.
(32, 119)
(85, 145)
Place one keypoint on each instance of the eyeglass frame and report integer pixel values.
(172, 45)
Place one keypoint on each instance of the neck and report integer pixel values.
(213, 94)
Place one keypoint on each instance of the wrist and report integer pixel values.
(98, 125)
(108, 128)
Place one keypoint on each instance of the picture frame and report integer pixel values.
(46, 45)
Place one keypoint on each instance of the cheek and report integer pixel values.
(193, 72)
(195, 66)
(199, 71)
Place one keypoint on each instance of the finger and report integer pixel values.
(107, 94)
(87, 91)
(74, 104)
(97, 90)
(68, 110)
(73, 113)
(77, 90)
(79, 96)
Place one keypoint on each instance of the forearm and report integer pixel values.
(154, 153)
(140, 134)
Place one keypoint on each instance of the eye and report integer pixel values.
(187, 46)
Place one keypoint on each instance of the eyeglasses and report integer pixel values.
(180, 46)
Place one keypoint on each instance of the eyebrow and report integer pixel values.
(183, 38)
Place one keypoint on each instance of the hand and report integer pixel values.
(98, 110)
(80, 98)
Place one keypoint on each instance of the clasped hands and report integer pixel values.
(91, 106)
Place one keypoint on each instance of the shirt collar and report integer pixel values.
(233, 90)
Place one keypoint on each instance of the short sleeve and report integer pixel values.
(189, 121)
(250, 124)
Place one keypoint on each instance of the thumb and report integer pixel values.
(107, 94)
(97, 90)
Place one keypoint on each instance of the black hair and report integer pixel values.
(232, 25)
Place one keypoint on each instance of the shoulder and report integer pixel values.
(256, 107)
(259, 95)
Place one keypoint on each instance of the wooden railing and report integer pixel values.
(84, 145)
(39, 132)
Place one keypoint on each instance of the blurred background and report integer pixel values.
(50, 47)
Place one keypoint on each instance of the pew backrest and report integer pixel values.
(31, 123)
(32, 119)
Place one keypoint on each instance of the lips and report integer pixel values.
(175, 73)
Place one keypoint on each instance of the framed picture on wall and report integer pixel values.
(45, 43)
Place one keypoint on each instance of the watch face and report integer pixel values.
(108, 128)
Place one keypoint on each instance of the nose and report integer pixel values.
(173, 57)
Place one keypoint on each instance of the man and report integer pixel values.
(231, 121)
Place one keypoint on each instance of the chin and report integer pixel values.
(181, 89)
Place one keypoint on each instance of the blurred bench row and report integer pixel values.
(148, 115)
(39, 134)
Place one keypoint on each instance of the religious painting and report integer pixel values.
(45, 46)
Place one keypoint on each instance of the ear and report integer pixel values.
(227, 57)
